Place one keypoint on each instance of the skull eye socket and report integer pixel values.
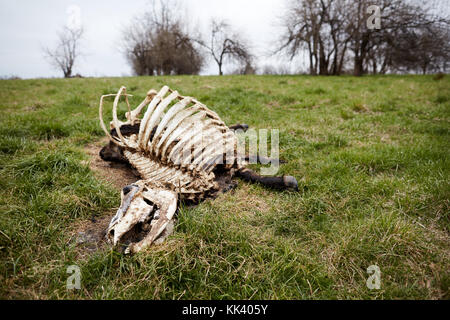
(126, 190)
(148, 202)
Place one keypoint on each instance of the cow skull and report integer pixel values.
(144, 216)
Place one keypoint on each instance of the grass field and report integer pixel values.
(371, 156)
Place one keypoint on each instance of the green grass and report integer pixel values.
(371, 156)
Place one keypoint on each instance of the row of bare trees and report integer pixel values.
(160, 42)
(334, 34)
(337, 37)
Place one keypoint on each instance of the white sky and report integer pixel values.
(26, 26)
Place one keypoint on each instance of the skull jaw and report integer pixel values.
(135, 247)
(138, 237)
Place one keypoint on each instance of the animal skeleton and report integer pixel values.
(156, 147)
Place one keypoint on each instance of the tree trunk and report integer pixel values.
(360, 54)
(341, 60)
(323, 65)
(424, 68)
(384, 66)
(334, 69)
(219, 62)
(311, 63)
(358, 67)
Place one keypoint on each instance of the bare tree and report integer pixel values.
(159, 43)
(319, 28)
(66, 53)
(224, 45)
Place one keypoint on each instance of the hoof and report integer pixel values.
(290, 182)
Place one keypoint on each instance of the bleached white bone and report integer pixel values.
(178, 123)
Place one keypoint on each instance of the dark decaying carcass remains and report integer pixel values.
(180, 149)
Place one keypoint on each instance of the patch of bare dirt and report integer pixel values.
(117, 174)
(89, 235)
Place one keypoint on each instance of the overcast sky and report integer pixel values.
(27, 26)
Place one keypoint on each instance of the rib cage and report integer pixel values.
(179, 144)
